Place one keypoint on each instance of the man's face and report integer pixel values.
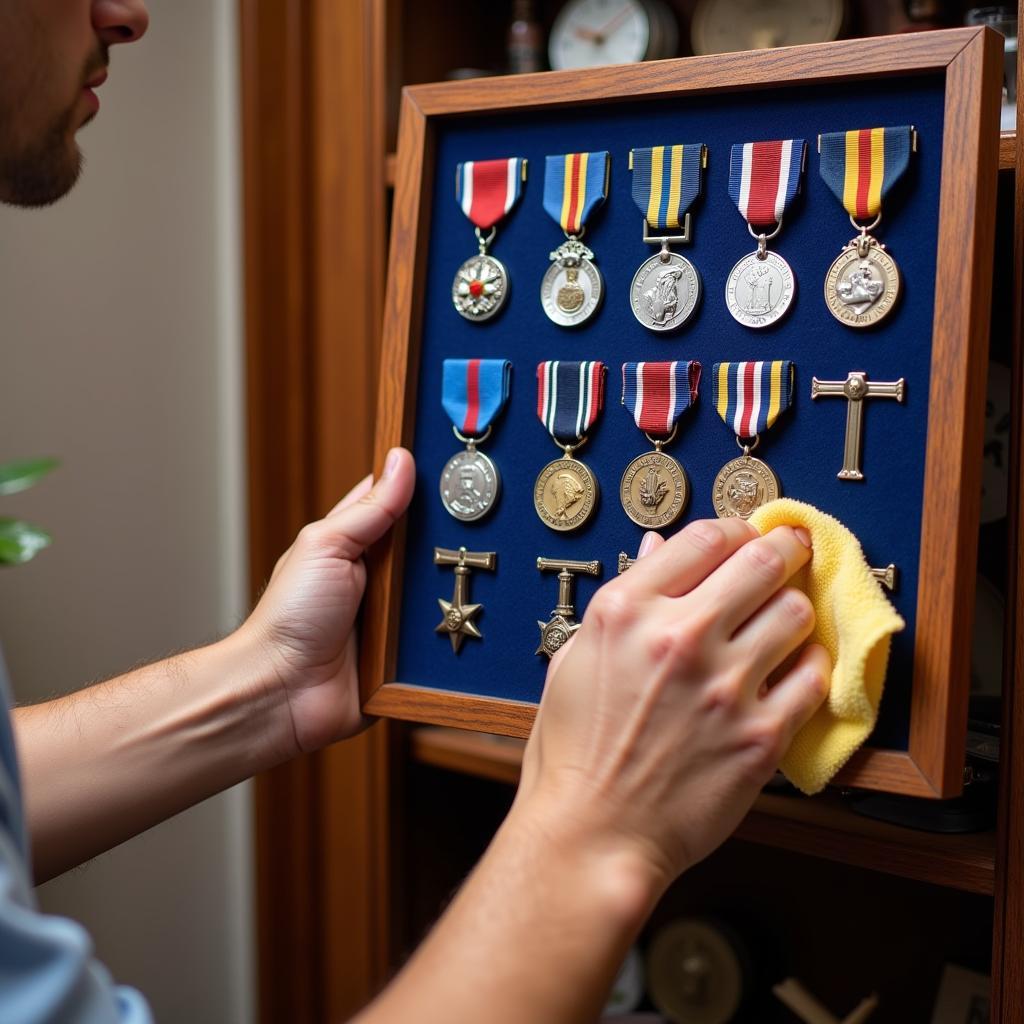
(54, 54)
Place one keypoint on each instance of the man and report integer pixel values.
(657, 728)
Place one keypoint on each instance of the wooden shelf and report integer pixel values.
(1007, 156)
(820, 827)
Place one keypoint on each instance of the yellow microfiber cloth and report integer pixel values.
(855, 622)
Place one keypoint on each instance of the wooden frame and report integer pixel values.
(970, 59)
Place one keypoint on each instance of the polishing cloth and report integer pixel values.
(854, 623)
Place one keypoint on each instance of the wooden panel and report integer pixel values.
(1008, 929)
(821, 826)
(970, 60)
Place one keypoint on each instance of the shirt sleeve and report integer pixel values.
(48, 974)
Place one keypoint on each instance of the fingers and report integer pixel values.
(360, 490)
(357, 523)
(733, 593)
(771, 635)
(679, 564)
(794, 699)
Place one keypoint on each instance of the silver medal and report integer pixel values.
(469, 485)
(665, 291)
(572, 287)
(760, 288)
(480, 287)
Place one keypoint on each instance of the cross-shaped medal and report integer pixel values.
(856, 388)
(458, 613)
(556, 632)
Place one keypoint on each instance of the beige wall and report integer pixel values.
(121, 349)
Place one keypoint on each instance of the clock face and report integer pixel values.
(591, 32)
(721, 26)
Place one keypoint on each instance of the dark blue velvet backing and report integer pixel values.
(805, 448)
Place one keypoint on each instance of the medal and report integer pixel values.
(860, 167)
(457, 615)
(574, 184)
(654, 489)
(749, 398)
(569, 400)
(486, 190)
(763, 179)
(473, 392)
(666, 180)
(556, 632)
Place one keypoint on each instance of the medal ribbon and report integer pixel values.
(569, 398)
(666, 180)
(487, 189)
(574, 184)
(657, 394)
(764, 177)
(474, 391)
(860, 166)
(750, 396)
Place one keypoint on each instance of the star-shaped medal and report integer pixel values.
(458, 621)
(554, 634)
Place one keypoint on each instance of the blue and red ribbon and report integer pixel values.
(474, 391)
(657, 394)
(574, 184)
(764, 177)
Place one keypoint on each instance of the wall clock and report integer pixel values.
(587, 33)
(723, 26)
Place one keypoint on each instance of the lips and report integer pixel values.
(97, 79)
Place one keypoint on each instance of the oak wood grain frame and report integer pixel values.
(971, 61)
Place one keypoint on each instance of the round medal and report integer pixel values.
(571, 292)
(758, 291)
(469, 485)
(654, 490)
(480, 287)
(565, 494)
(665, 291)
(743, 486)
(860, 289)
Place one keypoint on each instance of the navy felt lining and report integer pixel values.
(805, 447)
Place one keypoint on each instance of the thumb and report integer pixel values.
(352, 527)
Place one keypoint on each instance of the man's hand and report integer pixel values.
(304, 621)
(675, 701)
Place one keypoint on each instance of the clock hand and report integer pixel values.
(602, 34)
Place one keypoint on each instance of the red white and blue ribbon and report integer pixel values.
(570, 396)
(487, 189)
(764, 177)
(657, 394)
(750, 397)
(474, 391)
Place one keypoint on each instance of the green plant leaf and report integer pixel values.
(20, 541)
(22, 474)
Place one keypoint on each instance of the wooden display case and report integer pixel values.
(359, 847)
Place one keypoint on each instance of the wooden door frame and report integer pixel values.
(313, 143)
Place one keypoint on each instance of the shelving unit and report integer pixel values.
(359, 847)
(821, 827)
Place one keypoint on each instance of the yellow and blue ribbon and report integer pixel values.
(860, 166)
(666, 181)
(750, 397)
(574, 184)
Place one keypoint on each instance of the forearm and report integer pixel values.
(110, 761)
(536, 934)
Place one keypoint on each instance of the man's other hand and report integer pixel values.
(304, 622)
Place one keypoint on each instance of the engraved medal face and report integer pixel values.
(759, 291)
(555, 634)
(654, 490)
(743, 486)
(565, 494)
(665, 292)
(860, 291)
(571, 292)
(469, 485)
(480, 287)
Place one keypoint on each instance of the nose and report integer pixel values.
(119, 21)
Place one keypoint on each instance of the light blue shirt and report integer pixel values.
(48, 974)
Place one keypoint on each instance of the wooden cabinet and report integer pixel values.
(360, 846)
